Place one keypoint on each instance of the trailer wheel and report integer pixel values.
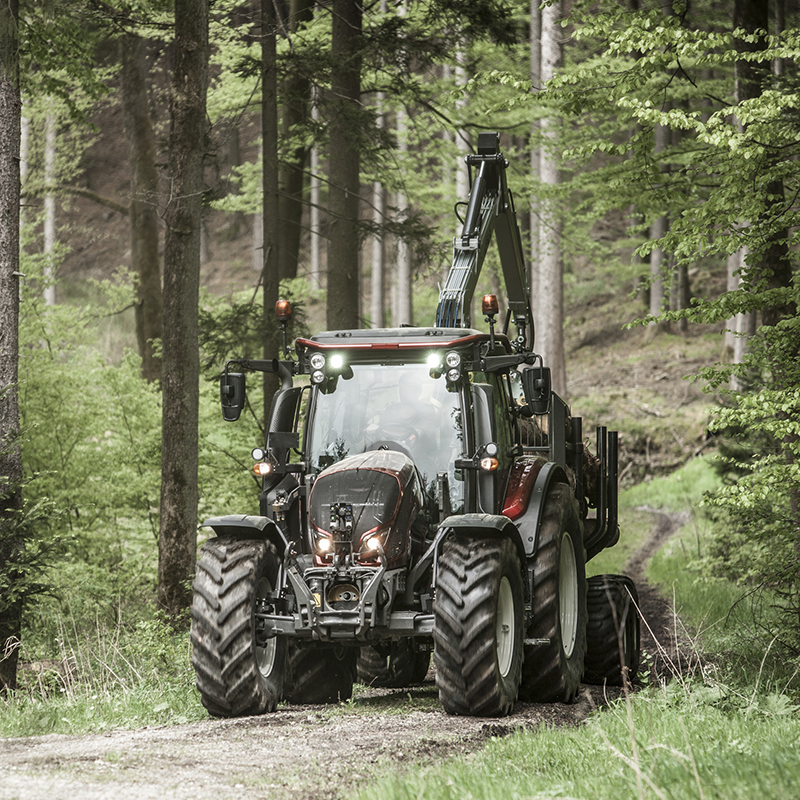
(612, 631)
(235, 677)
(556, 635)
(320, 674)
(478, 626)
(405, 665)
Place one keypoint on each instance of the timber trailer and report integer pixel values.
(423, 491)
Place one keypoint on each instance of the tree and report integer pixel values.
(342, 310)
(180, 365)
(296, 96)
(10, 454)
(550, 280)
(270, 216)
(143, 206)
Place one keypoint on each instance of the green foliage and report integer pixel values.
(757, 541)
(91, 449)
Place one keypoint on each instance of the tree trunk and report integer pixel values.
(536, 84)
(144, 198)
(314, 213)
(10, 454)
(658, 229)
(343, 192)
(403, 312)
(550, 326)
(270, 218)
(181, 367)
(296, 92)
(49, 225)
(377, 314)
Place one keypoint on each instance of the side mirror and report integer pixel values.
(538, 388)
(231, 395)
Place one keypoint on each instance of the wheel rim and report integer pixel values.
(265, 656)
(568, 595)
(504, 627)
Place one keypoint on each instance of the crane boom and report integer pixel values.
(490, 210)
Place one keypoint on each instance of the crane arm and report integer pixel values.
(490, 211)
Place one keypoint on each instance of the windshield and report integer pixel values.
(400, 406)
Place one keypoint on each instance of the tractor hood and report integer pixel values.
(380, 493)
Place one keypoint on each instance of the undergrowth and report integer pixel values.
(104, 677)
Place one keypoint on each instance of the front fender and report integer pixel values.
(244, 526)
(486, 524)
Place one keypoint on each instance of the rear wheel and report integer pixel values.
(235, 676)
(478, 622)
(395, 664)
(556, 636)
(320, 674)
(612, 636)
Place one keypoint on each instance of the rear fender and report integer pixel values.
(528, 523)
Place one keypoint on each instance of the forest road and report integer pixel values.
(299, 752)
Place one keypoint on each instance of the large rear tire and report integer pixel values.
(612, 633)
(405, 664)
(556, 636)
(235, 677)
(320, 674)
(478, 622)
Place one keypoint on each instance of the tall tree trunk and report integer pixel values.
(181, 365)
(49, 225)
(144, 198)
(291, 177)
(315, 243)
(536, 85)
(343, 192)
(270, 218)
(658, 229)
(550, 327)
(377, 309)
(751, 78)
(10, 454)
(403, 312)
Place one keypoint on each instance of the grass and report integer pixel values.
(100, 678)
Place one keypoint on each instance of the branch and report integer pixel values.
(94, 197)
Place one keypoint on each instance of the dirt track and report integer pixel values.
(298, 753)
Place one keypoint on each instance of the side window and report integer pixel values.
(502, 419)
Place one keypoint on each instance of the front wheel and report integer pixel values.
(235, 675)
(556, 636)
(478, 620)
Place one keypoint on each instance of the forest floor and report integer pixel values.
(304, 752)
